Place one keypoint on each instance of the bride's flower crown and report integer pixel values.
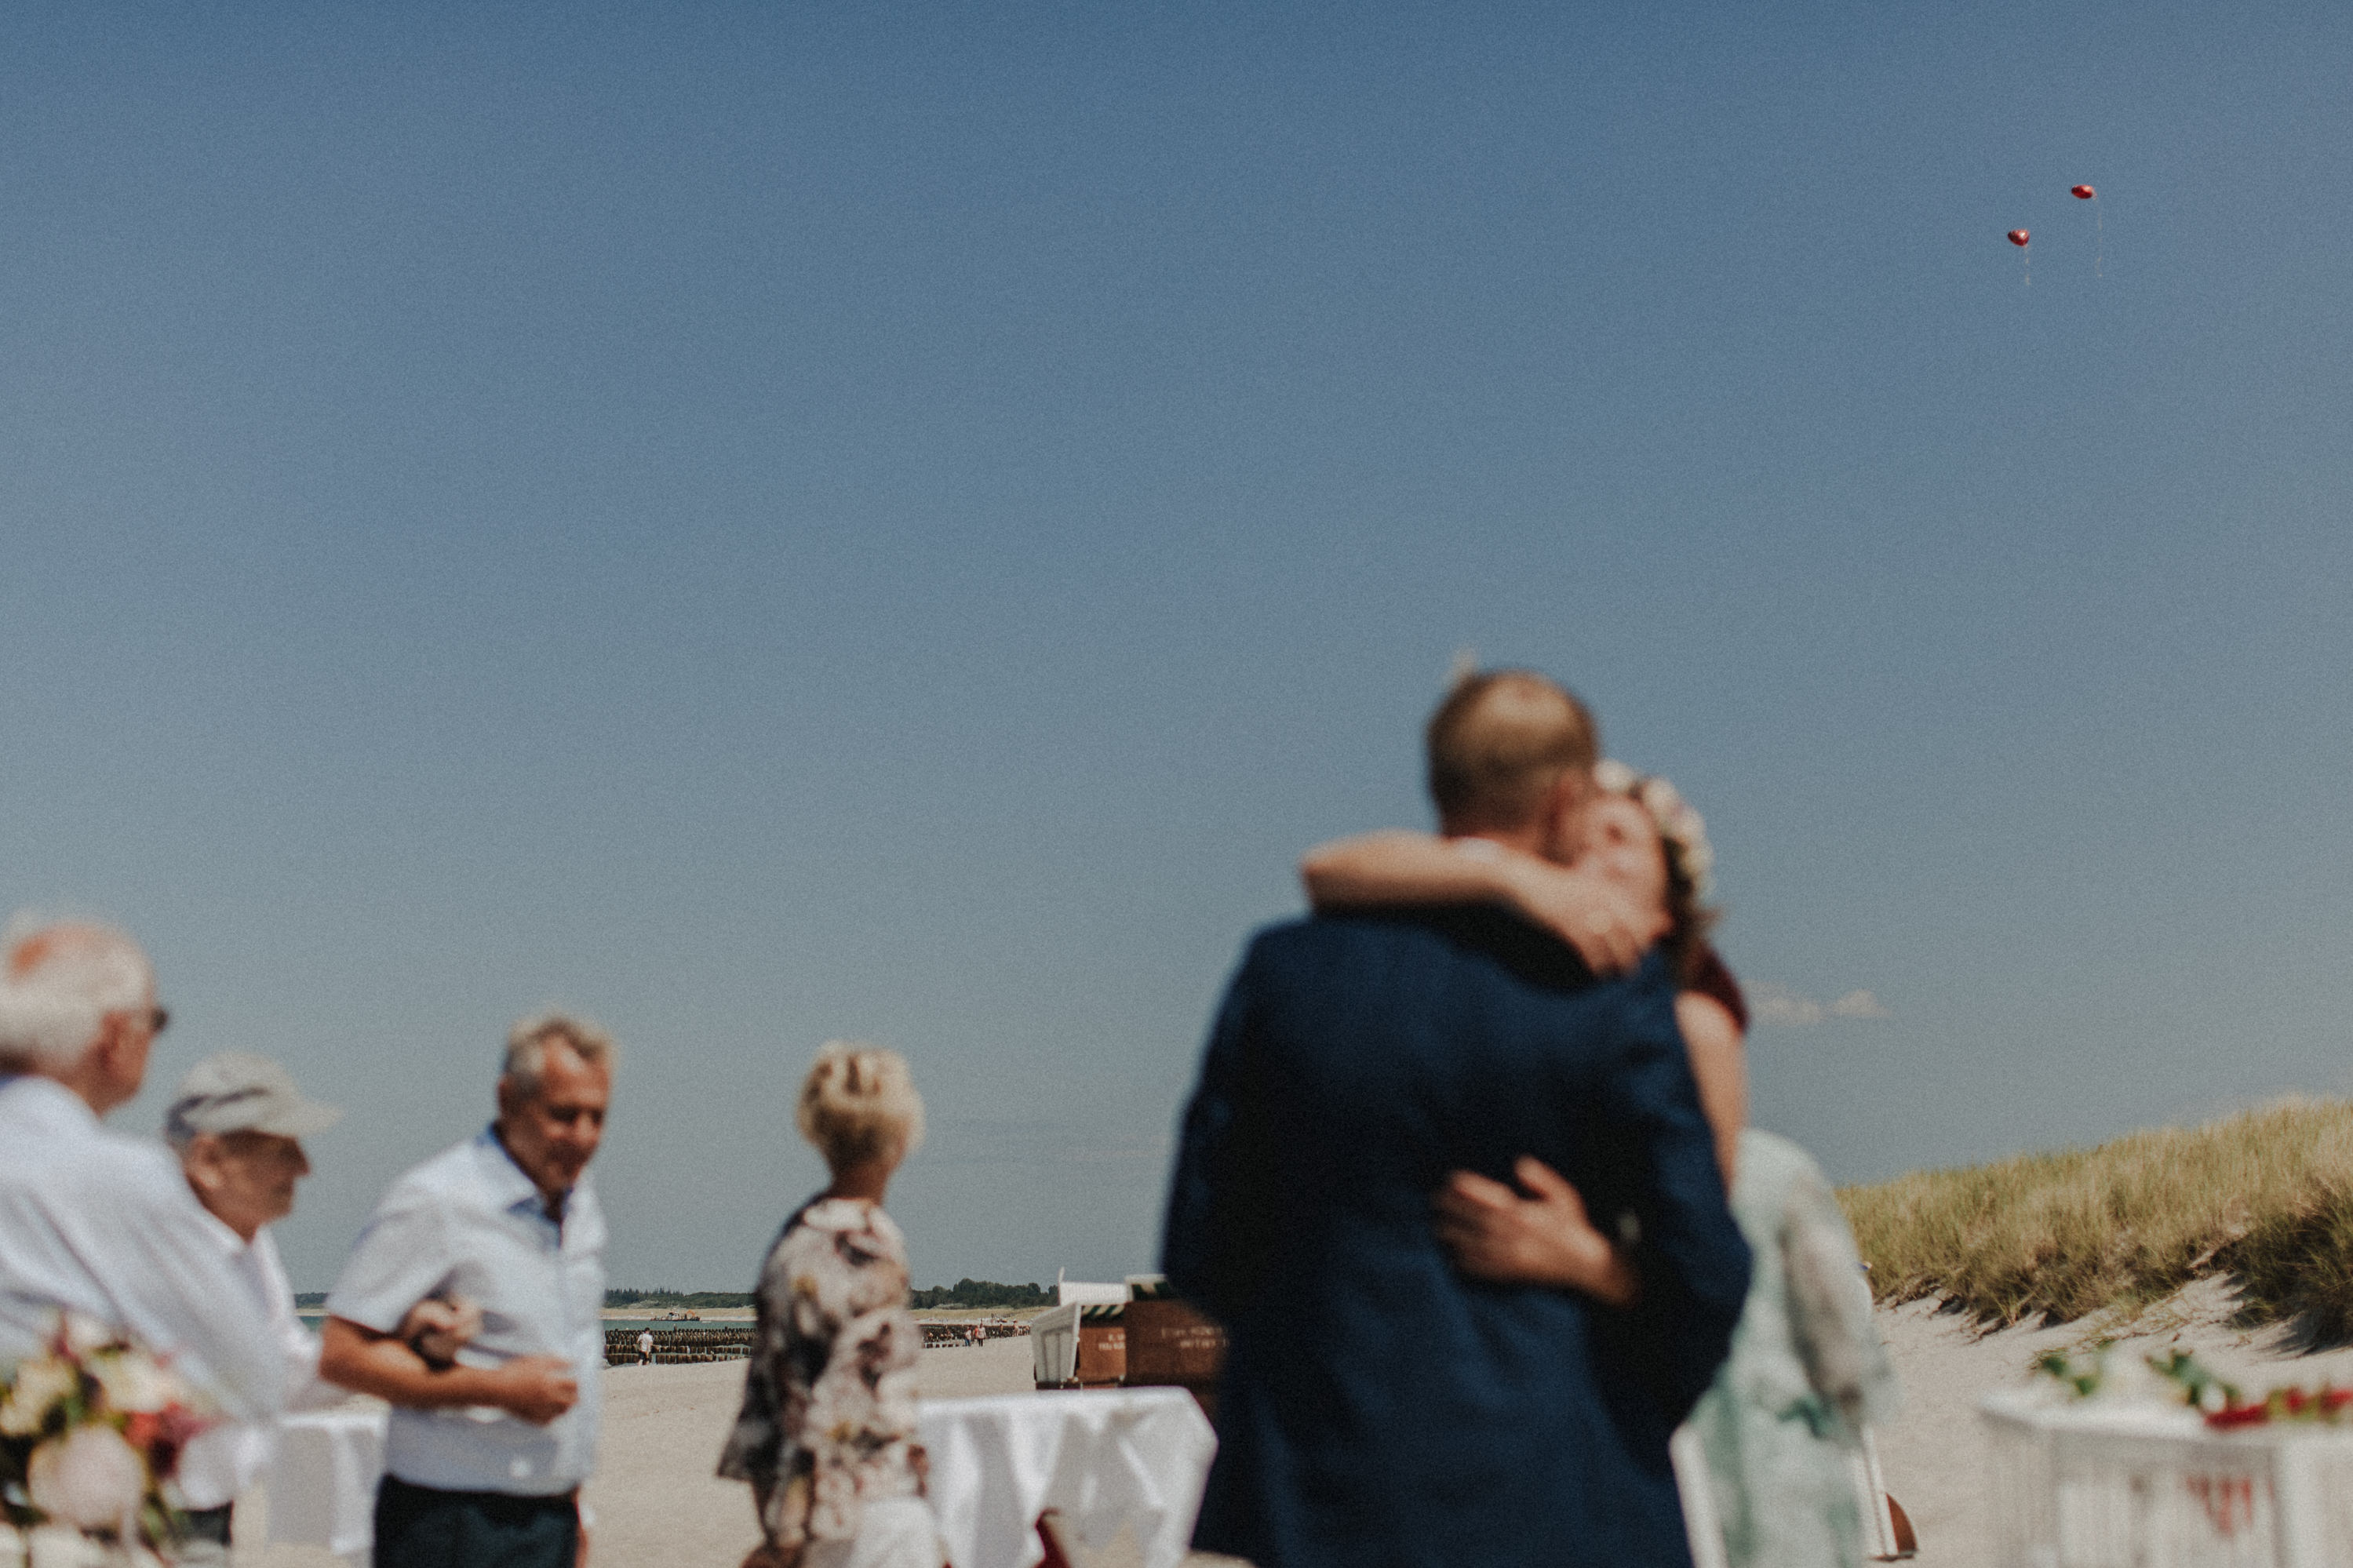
(1678, 822)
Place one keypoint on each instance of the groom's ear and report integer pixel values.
(1563, 813)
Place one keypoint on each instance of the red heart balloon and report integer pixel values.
(2018, 237)
(2081, 193)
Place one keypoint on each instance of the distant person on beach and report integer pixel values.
(645, 1347)
(827, 1433)
(487, 1452)
(237, 1121)
(1377, 1405)
(94, 1222)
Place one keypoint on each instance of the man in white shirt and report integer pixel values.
(91, 1221)
(484, 1459)
(645, 1347)
(237, 1121)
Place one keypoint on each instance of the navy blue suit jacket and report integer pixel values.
(1378, 1407)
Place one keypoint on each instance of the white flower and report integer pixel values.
(62, 1546)
(39, 1385)
(84, 1335)
(89, 1478)
(136, 1384)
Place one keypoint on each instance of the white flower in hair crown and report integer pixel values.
(1678, 822)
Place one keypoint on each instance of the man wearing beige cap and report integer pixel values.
(238, 1121)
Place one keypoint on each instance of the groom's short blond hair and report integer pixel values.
(1499, 743)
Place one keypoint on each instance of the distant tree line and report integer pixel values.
(984, 1293)
(668, 1298)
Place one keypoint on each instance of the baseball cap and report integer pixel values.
(237, 1091)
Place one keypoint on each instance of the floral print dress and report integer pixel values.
(828, 1418)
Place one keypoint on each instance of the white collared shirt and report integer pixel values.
(469, 1223)
(218, 1465)
(102, 1224)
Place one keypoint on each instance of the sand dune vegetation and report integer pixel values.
(2265, 1198)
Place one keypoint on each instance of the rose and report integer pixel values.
(89, 1478)
(37, 1387)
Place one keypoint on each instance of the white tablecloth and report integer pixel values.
(1103, 1457)
(322, 1483)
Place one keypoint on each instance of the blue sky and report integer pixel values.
(765, 524)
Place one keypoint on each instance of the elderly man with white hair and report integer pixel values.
(91, 1221)
(484, 1459)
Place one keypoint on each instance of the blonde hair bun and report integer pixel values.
(859, 1102)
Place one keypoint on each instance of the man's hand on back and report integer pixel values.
(1540, 1235)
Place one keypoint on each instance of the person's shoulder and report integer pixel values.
(1780, 1160)
(828, 1218)
(1480, 941)
(149, 1159)
(453, 1176)
(1432, 928)
(124, 1165)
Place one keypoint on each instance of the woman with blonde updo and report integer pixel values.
(826, 1436)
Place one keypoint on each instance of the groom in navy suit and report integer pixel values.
(1377, 1407)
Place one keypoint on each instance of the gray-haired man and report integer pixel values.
(485, 1457)
(93, 1222)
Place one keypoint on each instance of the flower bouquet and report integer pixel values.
(90, 1433)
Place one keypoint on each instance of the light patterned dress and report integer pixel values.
(1806, 1374)
(828, 1418)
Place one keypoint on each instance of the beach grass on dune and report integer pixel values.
(2264, 1196)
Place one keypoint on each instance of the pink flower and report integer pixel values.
(89, 1478)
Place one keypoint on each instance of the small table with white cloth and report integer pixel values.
(2093, 1485)
(323, 1482)
(1102, 1458)
(1105, 1457)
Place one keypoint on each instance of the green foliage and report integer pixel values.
(2265, 1197)
(670, 1298)
(984, 1293)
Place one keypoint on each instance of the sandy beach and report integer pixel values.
(657, 1505)
(1935, 1456)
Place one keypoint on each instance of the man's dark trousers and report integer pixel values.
(422, 1527)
